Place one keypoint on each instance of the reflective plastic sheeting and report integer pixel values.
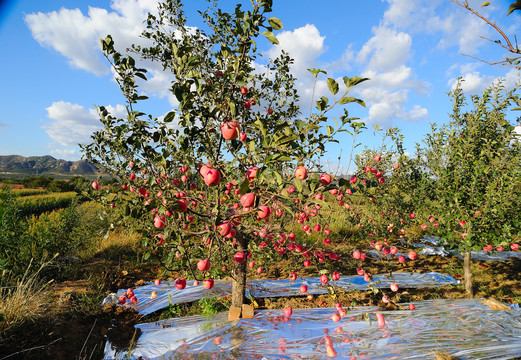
(168, 294)
(463, 328)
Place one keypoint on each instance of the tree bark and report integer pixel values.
(239, 273)
(468, 274)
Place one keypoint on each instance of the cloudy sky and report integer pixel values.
(53, 72)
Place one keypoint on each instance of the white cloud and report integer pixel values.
(472, 83)
(458, 27)
(386, 50)
(387, 92)
(67, 154)
(72, 124)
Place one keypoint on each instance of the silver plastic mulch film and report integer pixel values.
(464, 328)
(167, 293)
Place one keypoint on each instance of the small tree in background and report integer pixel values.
(474, 161)
(226, 175)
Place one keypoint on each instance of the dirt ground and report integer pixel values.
(75, 326)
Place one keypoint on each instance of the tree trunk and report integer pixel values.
(468, 274)
(239, 273)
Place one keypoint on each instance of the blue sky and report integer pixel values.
(53, 73)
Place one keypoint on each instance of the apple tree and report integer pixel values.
(474, 162)
(225, 175)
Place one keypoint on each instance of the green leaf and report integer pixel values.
(355, 80)
(515, 6)
(169, 117)
(350, 99)
(486, 3)
(232, 108)
(330, 130)
(298, 185)
(245, 186)
(275, 23)
(272, 38)
(332, 85)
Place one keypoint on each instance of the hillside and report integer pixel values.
(20, 166)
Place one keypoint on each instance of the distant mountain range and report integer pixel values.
(20, 166)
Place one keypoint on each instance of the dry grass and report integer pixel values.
(24, 300)
(121, 240)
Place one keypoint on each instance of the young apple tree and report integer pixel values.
(220, 178)
(474, 162)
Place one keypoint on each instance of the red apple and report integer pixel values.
(239, 257)
(247, 104)
(133, 300)
(259, 270)
(122, 300)
(243, 137)
(324, 279)
(244, 90)
(394, 287)
(335, 317)
(301, 173)
(212, 177)
(157, 282)
(225, 228)
(203, 265)
(270, 111)
(208, 283)
(396, 166)
(356, 254)
(263, 212)
(132, 176)
(288, 311)
(377, 158)
(303, 289)
(95, 185)
(325, 179)
(230, 130)
(412, 307)
(159, 221)
(336, 276)
(180, 283)
(412, 255)
(292, 276)
(248, 200)
(514, 247)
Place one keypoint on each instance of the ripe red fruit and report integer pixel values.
(239, 257)
(336, 276)
(180, 283)
(301, 173)
(157, 282)
(394, 287)
(353, 179)
(159, 221)
(225, 228)
(218, 73)
(243, 137)
(325, 179)
(292, 276)
(412, 307)
(270, 111)
(335, 317)
(259, 270)
(251, 173)
(327, 241)
(462, 223)
(212, 177)
(203, 265)
(307, 263)
(95, 185)
(208, 283)
(263, 212)
(303, 289)
(396, 166)
(247, 200)
(230, 130)
(182, 205)
(317, 227)
(324, 279)
(401, 258)
(133, 300)
(247, 104)
(514, 247)
(244, 90)
(377, 158)
(122, 300)
(132, 176)
(288, 311)
(412, 255)
(356, 254)
(360, 271)
(251, 264)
